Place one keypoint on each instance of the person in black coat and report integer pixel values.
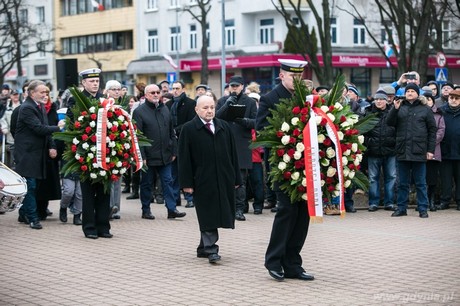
(209, 169)
(33, 145)
(290, 226)
(241, 128)
(154, 121)
(182, 110)
(415, 144)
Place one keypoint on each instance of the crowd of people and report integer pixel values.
(200, 152)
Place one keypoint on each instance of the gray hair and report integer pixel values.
(34, 84)
(112, 83)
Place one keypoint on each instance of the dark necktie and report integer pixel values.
(208, 126)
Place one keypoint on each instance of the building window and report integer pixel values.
(82, 44)
(152, 4)
(359, 32)
(267, 31)
(74, 45)
(82, 6)
(174, 39)
(98, 43)
(174, 3)
(384, 37)
(152, 42)
(446, 34)
(193, 37)
(296, 22)
(361, 77)
(23, 16)
(40, 14)
(387, 76)
(230, 32)
(334, 32)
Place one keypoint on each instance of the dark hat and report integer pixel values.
(14, 92)
(389, 90)
(412, 86)
(353, 89)
(204, 86)
(381, 94)
(164, 81)
(5, 86)
(292, 65)
(90, 73)
(236, 80)
(322, 87)
(447, 84)
(455, 93)
(427, 92)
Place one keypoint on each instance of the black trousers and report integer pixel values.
(289, 231)
(96, 208)
(450, 170)
(208, 244)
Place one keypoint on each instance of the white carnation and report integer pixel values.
(356, 162)
(361, 139)
(331, 116)
(112, 144)
(285, 139)
(294, 121)
(345, 124)
(81, 118)
(122, 170)
(325, 108)
(85, 146)
(330, 152)
(113, 153)
(318, 120)
(95, 165)
(92, 109)
(91, 155)
(75, 141)
(93, 149)
(338, 106)
(127, 146)
(351, 175)
(340, 134)
(354, 147)
(347, 183)
(109, 125)
(346, 171)
(295, 176)
(359, 157)
(354, 118)
(347, 152)
(300, 147)
(92, 175)
(285, 127)
(331, 172)
(77, 156)
(344, 160)
(102, 173)
(286, 158)
(118, 164)
(335, 193)
(321, 138)
(297, 155)
(92, 124)
(304, 196)
(115, 171)
(323, 182)
(282, 166)
(304, 182)
(115, 123)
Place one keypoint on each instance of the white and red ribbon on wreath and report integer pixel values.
(312, 165)
(101, 134)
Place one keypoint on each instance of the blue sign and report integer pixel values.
(441, 75)
(171, 77)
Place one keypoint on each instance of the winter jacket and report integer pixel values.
(450, 144)
(381, 140)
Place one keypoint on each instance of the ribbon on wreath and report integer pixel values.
(312, 166)
(101, 134)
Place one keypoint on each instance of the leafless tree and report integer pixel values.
(19, 38)
(200, 12)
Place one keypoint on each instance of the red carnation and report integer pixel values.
(303, 118)
(292, 140)
(343, 118)
(84, 137)
(331, 188)
(88, 129)
(301, 188)
(291, 152)
(74, 148)
(122, 135)
(77, 124)
(123, 127)
(125, 164)
(296, 110)
(351, 166)
(109, 114)
(81, 160)
(331, 108)
(323, 121)
(84, 113)
(327, 142)
(279, 134)
(287, 175)
(114, 128)
(296, 133)
(93, 116)
(304, 111)
(111, 165)
(322, 154)
(114, 177)
(299, 164)
(93, 138)
(94, 160)
(280, 152)
(112, 137)
(329, 180)
(84, 168)
(126, 156)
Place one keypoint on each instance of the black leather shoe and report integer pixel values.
(274, 209)
(350, 210)
(202, 255)
(113, 211)
(133, 196)
(63, 214)
(278, 275)
(175, 214)
(213, 258)
(189, 204)
(423, 214)
(77, 219)
(48, 212)
(36, 225)
(399, 213)
(390, 207)
(126, 189)
(373, 208)
(257, 211)
(23, 219)
(105, 235)
(148, 216)
(239, 216)
(305, 276)
(116, 217)
(159, 200)
(91, 236)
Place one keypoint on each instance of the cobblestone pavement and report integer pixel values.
(364, 259)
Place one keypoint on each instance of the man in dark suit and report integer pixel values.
(33, 143)
(241, 128)
(209, 169)
(182, 110)
(290, 226)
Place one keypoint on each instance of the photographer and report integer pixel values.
(411, 77)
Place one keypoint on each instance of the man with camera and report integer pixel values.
(411, 77)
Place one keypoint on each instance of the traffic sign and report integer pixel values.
(441, 75)
(171, 77)
(441, 59)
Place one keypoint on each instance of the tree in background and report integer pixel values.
(200, 12)
(19, 38)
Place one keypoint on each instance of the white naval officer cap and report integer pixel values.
(292, 65)
(90, 73)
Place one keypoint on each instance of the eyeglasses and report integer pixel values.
(235, 85)
(155, 92)
(176, 88)
(115, 89)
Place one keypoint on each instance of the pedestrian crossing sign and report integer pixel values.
(441, 75)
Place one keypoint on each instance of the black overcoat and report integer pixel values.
(208, 163)
(32, 139)
(241, 129)
(268, 102)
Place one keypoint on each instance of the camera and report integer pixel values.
(411, 76)
(400, 97)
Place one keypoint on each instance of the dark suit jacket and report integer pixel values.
(32, 140)
(268, 102)
(184, 111)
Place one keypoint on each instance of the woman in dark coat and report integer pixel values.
(50, 188)
(209, 169)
